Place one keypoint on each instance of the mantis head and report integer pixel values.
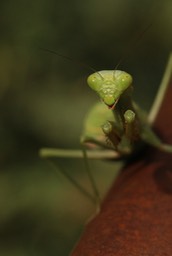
(110, 85)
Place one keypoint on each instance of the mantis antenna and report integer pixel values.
(73, 60)
(132, 43)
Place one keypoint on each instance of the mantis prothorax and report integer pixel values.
(116, 126)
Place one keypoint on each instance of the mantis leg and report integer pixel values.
(50, 153)
(77, 153)
(123, 143)
(74, 182)
(112, 134)
(94, 198)
(130, 125)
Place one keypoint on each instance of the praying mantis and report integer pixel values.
(116, 127)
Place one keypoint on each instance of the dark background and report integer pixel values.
(44, 98)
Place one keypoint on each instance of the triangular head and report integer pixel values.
(110, 85)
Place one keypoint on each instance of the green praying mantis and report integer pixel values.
(116, 127)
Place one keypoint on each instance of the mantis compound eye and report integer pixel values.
(95, 81)
(124, 81)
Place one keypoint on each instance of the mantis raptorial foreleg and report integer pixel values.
(115, 126)
(130, 123)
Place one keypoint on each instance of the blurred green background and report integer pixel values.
(44, 98)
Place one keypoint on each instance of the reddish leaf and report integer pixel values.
(136, 217)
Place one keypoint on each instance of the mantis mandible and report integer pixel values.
(116, 126)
